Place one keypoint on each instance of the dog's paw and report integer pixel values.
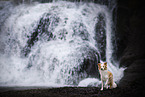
(114, 85)
(101, 89)
(106, 86)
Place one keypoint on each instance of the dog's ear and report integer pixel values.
(99, 64)
(105, 63)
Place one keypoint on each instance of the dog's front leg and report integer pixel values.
(106, 84)
(102, 85)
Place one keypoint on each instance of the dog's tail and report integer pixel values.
(114, 85)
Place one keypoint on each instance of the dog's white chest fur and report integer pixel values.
(104, 75)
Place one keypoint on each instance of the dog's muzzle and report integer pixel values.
(102, 69)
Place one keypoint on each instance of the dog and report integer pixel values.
(106, 76)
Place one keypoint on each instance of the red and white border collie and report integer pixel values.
(106, 76)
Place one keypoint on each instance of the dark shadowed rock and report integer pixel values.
(131, 48)
(134, 74)
(130, 30)
(100, 35)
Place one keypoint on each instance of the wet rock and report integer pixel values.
(100, 35)
(131, 51)
(89, 64)
(130, 30)
(134, 74)
(43, 31)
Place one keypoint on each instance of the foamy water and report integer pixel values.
(55, 62)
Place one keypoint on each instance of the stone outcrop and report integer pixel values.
(130, 30)
(131, 43)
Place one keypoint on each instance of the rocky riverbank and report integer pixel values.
(133, 91)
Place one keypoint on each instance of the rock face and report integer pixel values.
(100, 36)
(131, 43)
(130, 30)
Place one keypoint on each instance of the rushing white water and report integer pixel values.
(57, 61)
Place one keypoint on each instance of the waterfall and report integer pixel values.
(55, 44)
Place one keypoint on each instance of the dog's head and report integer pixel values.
(102, 66)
